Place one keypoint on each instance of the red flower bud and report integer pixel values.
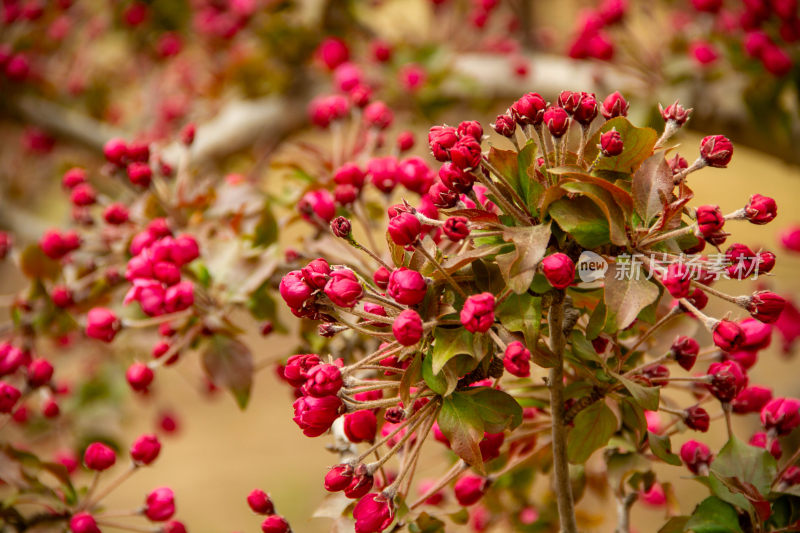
(456, 228)
(471, 128)
(470, 489)
(341, 227)
(405, 141)
(360, 426)
(316, 415)
(294, 289)
(466, 153)
(716, 150)
(614, 106)
(275, 524)
(766, 262)
(260, 502)
(727, 335)
(318, 203)
(373, 513)
(404, 229)
(559, 270)
(298, 366)
(73, 177)
(56, 245)
(407, 327)
(139, 376)
(378, 115)
(5, 244)
(697, 418)
(456, 179)
(83, 523)
(760, 440)
(40, 372)
(490, 445)
(696, 456)
(102, 324)
(505, 125)
(709, 219)
(384, 173)
(751, 400)
(741, 258)
(415, 175)
(145, 449)
(116, 214)
(339, 477)
(677, 164)
(676, 113)
(343, 288)
(83, 195)
(179, 297)
(529, 109)
(611, 143)
(586, 110)
(477, 315)
(350, 174)
(99, 457)
(316, 273)
(160, 505)
(381, 277)
(406, 286)
(9, 396)
(440, 140)
(685, 350)
(442, 196)
(568, 100)
(727, 380)
(139, 174)
(677, 280)
(766, 306)
(323, 380)
(556, 120)
(781, 415)
(757, 335)
(115, 151)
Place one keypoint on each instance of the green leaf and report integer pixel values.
(498, 409)
(638, 144)
(596, 322)
(714, 516)
(626, 297)
(526, 163)
(426, 523)
(412, 375)
(463, 427)
(676, 524)
(522, 312)
(622, 198)
(647, 397)
(593, 427)
(266, 230)
(228, 363)
(35, 265)
(661, 447)
(457, 262)
(445, 381)
(506, 163)
(607, 204)
(519, 266)
(582, 219)
(747, 465)
(448, 343)
(581, 348)
(651, 186)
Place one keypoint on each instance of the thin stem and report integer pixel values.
(396, 430)
(726, 410)
(663, 320)
(789, 463)
(507, 206)
(451, 474)
(669, 235)
(112, 486)
(441, 269)
(624, 504)
(517, 198)
(643, 366)
(127, 527)
(582, 147)
(566, 510)
(415, 450)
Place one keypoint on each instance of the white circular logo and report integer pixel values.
(591, 267)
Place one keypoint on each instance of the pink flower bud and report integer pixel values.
(405, 141)
(407, 286)
(102, 324)
(339, 477)
(440, 140)
(349, 174)
(469, 489)
(781, 415)
(456, 179)
(569, 100)
(407, 327)
(378, 115)
(298, 366)
(316, 415)
(318, 203)
(716, 150)
(11, 358)
(139, 174)
(766, 262)
(5, 244)
(260, 502)
(556, 120)
(373, 513)
(757, 335)
(116, 151)
(703, 52)
(709, 219)
(761, 439)
(99, 457)
(341, 227)
(559, 270)
(275, 524)
(9, 396)
(415, 175)
(294, 289)
(696, 456)
(456, 228)
(442, 196)
(586, 110)
(360, 426)
(384, 173)
(184, 250)
(173, 527)
(466, 153)
(529, 109)
(316, 273)
(751, 400)
(477, 315)
(116, 214)
(381, 277)
(614, 106)
(697, 418)
(160, 505)
(685, 350)
(677, 164)
(73, 177)
(323, 380)
(727, 380)
(56, 245)
(39, 374)
(655, 497)
(139, 376)
(490, 445)
(179, 297)
(471, 128)
(347, 76)
(83, 522)
(741, 258)
(675, 113)
(343, 288)
(776, 61)
(145, 449)
(611, 143)
(766, 306)
(83, 195)
(404, 229)
(677, 280)
(332, 52)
